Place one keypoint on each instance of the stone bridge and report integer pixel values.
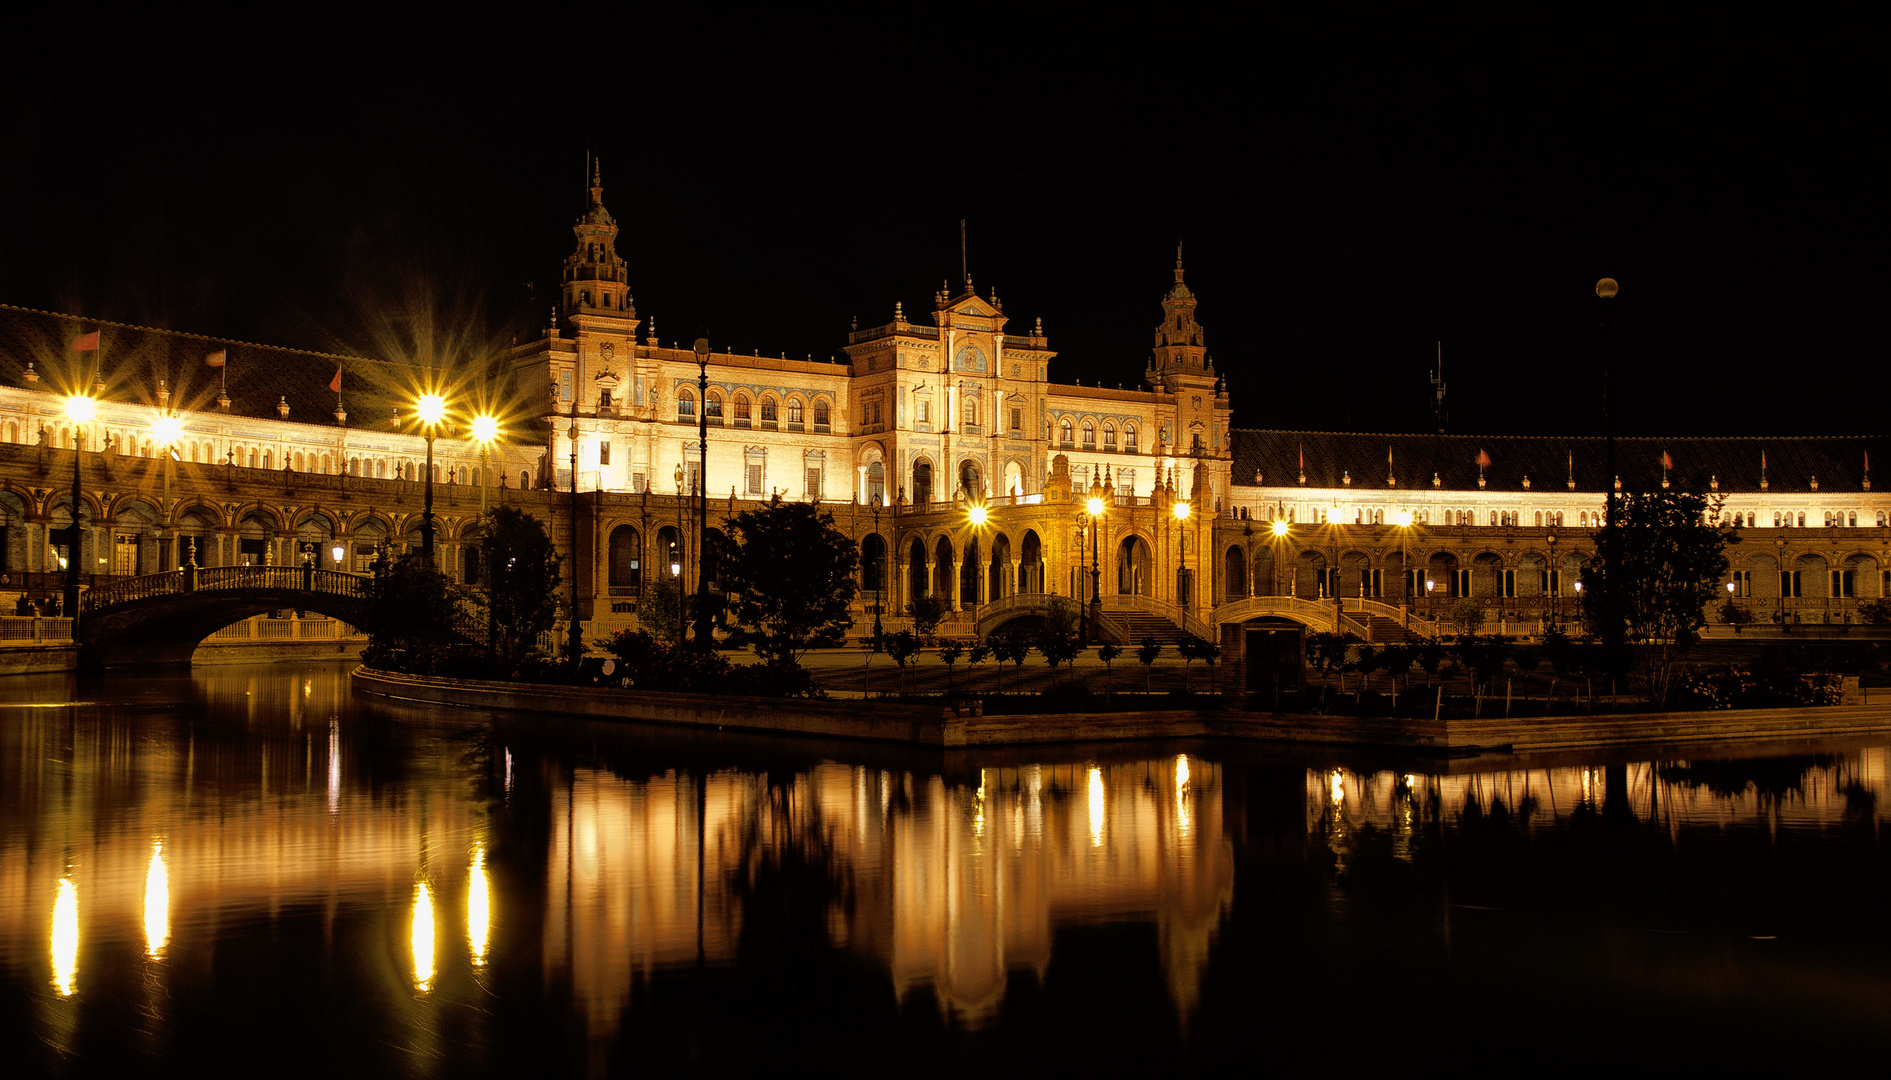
(161, 618)
(1121, 616)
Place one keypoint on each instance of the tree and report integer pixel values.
(1106, 653)
(1012, 647)
(901, 646)
(927, 611)
(1467, 615)
(521, 578)
(660, 607)
(1657, 567)
(1192, 649)
(789, 574)
(949, 654)
(1057, 639)
(1146, 654)
(411, 608)
(977, 654)
(1736, 616)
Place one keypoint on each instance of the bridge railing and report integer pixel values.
(31, 628)
(216, 578)
(1172, 612)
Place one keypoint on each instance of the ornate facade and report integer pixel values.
(939, 442)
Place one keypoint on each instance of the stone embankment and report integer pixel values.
(933, 725)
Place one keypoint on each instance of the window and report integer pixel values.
(685, 405)
(1129, 439)
(1510, 584)
(1851, 521)
(564, 386)
(754, 478)
(742, 408)
(1802, 519)
(604, 452)
(1064, 430)
(768, 410)
(968, 411)
(1109, 436)
(821, 414)
(1842, 584)
(1789, 584)
(814, 485)
(712, 406)
(922, 412)
(604, 399)
(1017, 424)
(794, 411)
(1089, 435)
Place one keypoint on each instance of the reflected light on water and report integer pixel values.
(478, 907)
(422, 936)
(1339, 788)
(66, 938)
(334, 765)
(978, 807)
(1096, 806)
(1182, 822)
(157, 904)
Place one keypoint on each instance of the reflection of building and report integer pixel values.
(951, 887)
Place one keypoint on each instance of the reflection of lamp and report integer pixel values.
(421, 938)
(65, 938)
(157, 904)
(478, 907)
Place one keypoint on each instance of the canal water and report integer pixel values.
(249, 870)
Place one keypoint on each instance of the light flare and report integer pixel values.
(430, 408)
(1096, 806)
(485, 429)
(1339, 788)
(478, 908)
(421, 938)
(65, 938)
(1182, 820)
(157, 904)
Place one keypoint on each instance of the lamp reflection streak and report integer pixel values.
(421, 938)
(157, 904)
(478, 907)
(1096, 807)
(65, 938)
(1182, 822)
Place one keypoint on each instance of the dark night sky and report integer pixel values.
(1344, 203)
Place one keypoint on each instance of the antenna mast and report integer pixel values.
(965, 266)
(1438, 388)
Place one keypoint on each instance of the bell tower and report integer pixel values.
(1179, 351)
(595, 282)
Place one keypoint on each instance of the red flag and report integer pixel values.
(1666, 461)
(1303, 458)
(334, 384)
(215, 359)
(86, 342)
(1483, 459)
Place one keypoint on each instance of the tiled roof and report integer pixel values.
(258, 377)
(1837, 461)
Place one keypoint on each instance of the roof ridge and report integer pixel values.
(1460, 435)
(193, 337)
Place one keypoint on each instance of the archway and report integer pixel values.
(916, 570)
(876, 484)
(1266, 574)
(1030, 563)
(872, 563)
(968, 575)
(626, 561)
(1014, 479)
(922, 482)
(942, 577)
(971, 480)
(1133, 567)
(1234, 574)
(1000, 559)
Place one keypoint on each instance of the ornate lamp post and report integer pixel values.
(429, 409)
(1181, 511)
(1280, 533)
(80, 410)
(676, 561)
(976, 516)
(166, 429)
(704, 641)
(1403, 519)
(485, 433)
(1094, 507)
(879, 580)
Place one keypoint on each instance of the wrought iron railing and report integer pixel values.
(222, 578)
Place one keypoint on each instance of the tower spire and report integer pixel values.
(1178, 262)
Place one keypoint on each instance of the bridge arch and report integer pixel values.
(159, 619)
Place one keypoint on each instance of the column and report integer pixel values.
(932, 568)
(981, 595)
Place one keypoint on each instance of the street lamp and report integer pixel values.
(1280, 533)
(703, 639)
(1403, 519)
(429, 409)
(485, 433)
(879, 580)
(166, 429)
(1094, 506)
(977, 515)
(1181, 511)
(80, 410)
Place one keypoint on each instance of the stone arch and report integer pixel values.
(1030, 563)
(1354, 573)
(794, 409)
(1441, 575)
(625, 562)
(922, 480)
(1014, 478)
(822, 408)
(942, 576)
(1532, 570)
(1309, 568)
(971, 482)
(968, 573)
(998, 574)
(1234, 573)
(916, 580)
(872, 563)
(1487, 575)
(1266, 575)
(1867, 582)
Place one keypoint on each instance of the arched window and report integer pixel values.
(968, 410)
(768, 410)
(1802, 519)
(1828, 519)
(1109, 436)
(266, 460)
(1129, 438)
(1851, 520)
(712, 408)
(742, 407)
(1089, 435)
(685, 405)
(821, 413)
(1539, 517)
(922, 482)
(1065, 429)
(794, 410)
(626, 565)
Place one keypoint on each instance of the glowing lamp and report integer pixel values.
(976, 514)
(1403, 519)
(1280, 528)
(485, 428)
(1095, 506)
(1181, 511)
(337, 552)
(430, 408)
(167, 429)
(80, 409)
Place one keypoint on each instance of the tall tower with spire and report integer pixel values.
(1180, 365)
(595, 281)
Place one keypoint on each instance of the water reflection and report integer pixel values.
(65, 938)
(420, 937)
(478, 907)
(948, 886)
(157, 904)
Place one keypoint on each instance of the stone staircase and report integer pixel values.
(1140, 624)
(1385, 631)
